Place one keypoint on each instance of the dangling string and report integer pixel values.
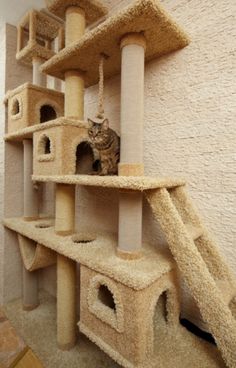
(100, 114)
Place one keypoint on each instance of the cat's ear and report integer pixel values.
(90, 123)
(105, 124)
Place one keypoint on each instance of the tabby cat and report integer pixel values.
(106, 142)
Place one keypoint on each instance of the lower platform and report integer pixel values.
(98, 252)
(176, 348)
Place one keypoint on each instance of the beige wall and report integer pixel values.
(13, 183)
(189, 124)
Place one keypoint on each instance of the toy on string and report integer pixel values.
(103, 140)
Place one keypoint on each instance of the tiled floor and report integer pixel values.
(12, 346)
(173, 348)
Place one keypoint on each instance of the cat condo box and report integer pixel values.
(31, 105)
(61, 148)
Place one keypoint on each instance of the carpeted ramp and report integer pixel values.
(207, 276)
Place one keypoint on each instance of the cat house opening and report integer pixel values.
(106, 297)
(160, 317)
(84, 159)
(15, 107)
(83, 238)
(44, 225)
(44, 147)
(47, 113)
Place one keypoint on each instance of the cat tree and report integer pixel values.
(121, 281)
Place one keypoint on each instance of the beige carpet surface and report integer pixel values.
(174, 348)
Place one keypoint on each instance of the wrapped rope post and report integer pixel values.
(100, 114)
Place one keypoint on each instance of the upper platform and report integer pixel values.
(162, 34)
(93, 9)
(140, 183)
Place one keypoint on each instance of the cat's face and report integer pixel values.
(98, 133)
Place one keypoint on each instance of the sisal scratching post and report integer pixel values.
(75, 24)
(74, 80)
(65, 195)
(30, 193)
(30, 290)
(66, 302)
(66, 269)
(74, 94)
(131, 154)
(65, 209)
(39, 79)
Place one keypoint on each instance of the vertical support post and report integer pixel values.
(57, 82)
(30, 289)
(74, 94)
(31, 204)
(20, 35)
(61, 38)
(131, 155)
(132, 104)
(65, 209)
(66, 269)
(66, 302)
(39, 79)
(65, 195)
(31, 207)
(32, 26)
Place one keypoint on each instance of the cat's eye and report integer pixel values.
(90, 131)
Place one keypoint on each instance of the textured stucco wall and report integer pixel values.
(189, 117)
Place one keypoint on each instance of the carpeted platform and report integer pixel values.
(177, 349)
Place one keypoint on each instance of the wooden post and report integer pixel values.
(75, 24)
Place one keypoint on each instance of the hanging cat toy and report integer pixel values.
(104, 141)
